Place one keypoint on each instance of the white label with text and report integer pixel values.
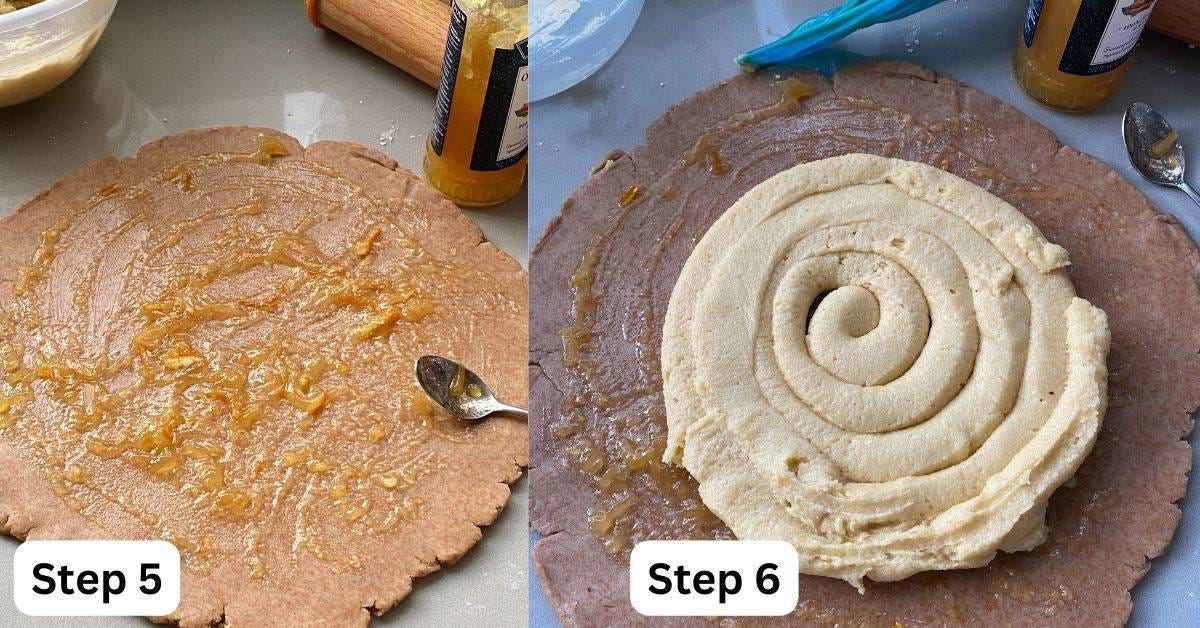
(96, 578)
(714, 578)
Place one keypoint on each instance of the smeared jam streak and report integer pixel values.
(237, 359)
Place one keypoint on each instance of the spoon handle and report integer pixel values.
(507, 409)
(1190, 192)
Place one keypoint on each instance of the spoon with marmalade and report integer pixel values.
(459, 391)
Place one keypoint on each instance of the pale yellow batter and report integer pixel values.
(37, 74)
(882, 364)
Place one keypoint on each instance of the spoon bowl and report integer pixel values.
(1154, 148)
(458, 390)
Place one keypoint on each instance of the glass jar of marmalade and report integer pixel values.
(476, 152)
(1072, 54)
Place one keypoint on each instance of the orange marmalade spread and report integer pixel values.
(223, 351)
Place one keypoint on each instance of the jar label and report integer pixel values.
(445, 95)
(1032, 15)
(1104, 33)
(503, 136)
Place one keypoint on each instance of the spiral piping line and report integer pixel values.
(883, 364)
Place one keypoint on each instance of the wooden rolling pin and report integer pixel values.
(1177, 18)
(409, 34)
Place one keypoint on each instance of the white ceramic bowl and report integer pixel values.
(570, 39)
(42, 45)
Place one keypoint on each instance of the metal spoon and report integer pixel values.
(458, 390)
(1144, 128)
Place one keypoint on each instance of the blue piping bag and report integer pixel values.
(823, 29)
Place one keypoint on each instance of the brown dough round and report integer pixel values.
(336, 491)
(1133, 262)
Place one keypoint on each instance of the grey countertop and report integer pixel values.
(166, 66)
(681, 46)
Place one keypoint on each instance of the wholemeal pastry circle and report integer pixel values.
(211, 343)
(882, 364)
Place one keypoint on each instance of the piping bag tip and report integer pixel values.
(828, 62)
(813, 36)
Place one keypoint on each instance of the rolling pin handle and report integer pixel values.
(310, 6)
(409, 34)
